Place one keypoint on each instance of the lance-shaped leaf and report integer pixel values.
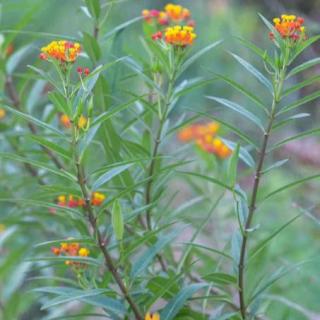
(117, 220)
(303, 66)
(239, 109)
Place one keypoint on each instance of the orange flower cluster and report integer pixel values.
(205, 137)
(70, 201)
(66, 122)
(289, 27)
(63, 51)
(180, 36)
(172, 13)
(72, 249)
(152, 316)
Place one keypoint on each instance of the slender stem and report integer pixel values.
(278, 85)
(81, 176)
(12, 92)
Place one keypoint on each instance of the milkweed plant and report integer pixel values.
(99, 164)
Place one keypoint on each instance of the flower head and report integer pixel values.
(66, 122)
(177, 13)
(180, 36)
(97, 198)
(152, 316)
(71, 249)
(289, 27)
(63, 51)
(69, 201)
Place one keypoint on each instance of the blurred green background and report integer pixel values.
(39, 20)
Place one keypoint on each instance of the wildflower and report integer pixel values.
(289, 27)
(2, 113)
(176, 12)
(180, 36)
(65, 121)
(152, 316)
(197, 131)
(63, 51)
(82, 122)
(215, 146)
(69, 201)
(149, 15)
(97, 198)
(83, 252)
(86, 71)
(9, 49)
(72, 249)
(157, 36)
(79, 70)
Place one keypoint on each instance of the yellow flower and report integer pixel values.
(83, 252)
(180, 35)
(2, 113)
(82, 122)
(64, 51)
(152, 316)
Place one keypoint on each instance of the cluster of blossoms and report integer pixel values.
(172, 14)
(70, 201)
(180, 35)
(152, 316)
(63, 51)
(2, 113)
(66, 121)
(289, 27)
(179, 29)
(205, 138)
(72, 249)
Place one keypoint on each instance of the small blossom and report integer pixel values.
(177, 13)
(97, 198)
(69, 201)
(9, 49)
(152, 316)
(63, 51)
(289, 27)
(2, 113)
(83, 252)
(65, 121)
(197, 131)
(79, 70)
(180, 36)
(157, 36)
(82, 122)
(86, 71)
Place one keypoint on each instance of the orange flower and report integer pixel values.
(69, 201)
(152, 316)
(289, 27)
(176, 12)
(63, 51)
(71, 250)
(97, 198)
(180, 36)
(66, 122)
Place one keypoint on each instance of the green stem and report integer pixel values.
(81, 177)
(278, 85)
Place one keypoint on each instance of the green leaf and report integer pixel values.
(177, 303)
(233, 165)
(33, 120)
(16, 58)
(59, 101)
(304, 45)
(38, 164)
(301, 85)
(239, 109)
(303, 66)
(276, 165)
(117, 220)
(220, 278)
(93, 7)
(265, 242)
(247, 93)
(241, 207)
(257, 74)
(91, 46)
(291, 185)
(299, 102)
(52, 146)
(121, 27)
(290, 119)
(200, 246)
(198, 55)
(142, 263)
(87, 139)
(107, 176)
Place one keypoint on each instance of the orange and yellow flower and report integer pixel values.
(66, 122)
(72, 249)
(177, 13)
(2, 113)
(289, 27)
(97, 198)
(180, 36)
(152, 316)
(63, 51)
(205, 138)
